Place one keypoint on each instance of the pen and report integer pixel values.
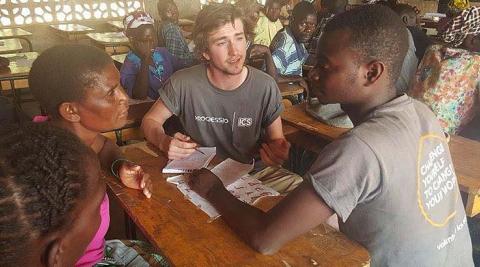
(197, 149)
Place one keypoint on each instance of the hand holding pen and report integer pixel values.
(181, 146)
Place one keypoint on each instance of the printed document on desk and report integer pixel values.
(195, 161)
(245, 188)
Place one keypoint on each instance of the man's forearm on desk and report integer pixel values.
(155, 134)
(268, 232)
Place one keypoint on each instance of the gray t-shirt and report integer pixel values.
(392, 183)
(232, 121)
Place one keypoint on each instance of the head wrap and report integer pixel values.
(468, 22)
(137, 18)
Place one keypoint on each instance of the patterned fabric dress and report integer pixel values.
(447, 80)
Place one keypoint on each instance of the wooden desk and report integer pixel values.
(465, 152)
(18, 69)
(119, 58)
(10, 46)
(288, 89)
(116, 24)
(71, 31)
(466, 160)
(115, 40)
(297, 117)
(184, 234)
(186, 25)
(16, 33)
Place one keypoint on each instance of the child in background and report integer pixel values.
(146, 66)
(83, 94)
(50, 194)
(170, 34)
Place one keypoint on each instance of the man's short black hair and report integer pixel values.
(62, 73)
(269, 3)
(335, 6)
(404, 9)
(376, 33)
(302, 10)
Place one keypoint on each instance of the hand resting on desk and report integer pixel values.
(133, 176)
(275, 152)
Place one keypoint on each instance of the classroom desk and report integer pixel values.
(465, 152)
(466, 160)
(116, 24)
(298, 118)
(290, 89)
(115, 40)
(10, 46)
(16, 33)
(71, 31)
(187, 238)
(186, 24)
(19, 68)
(119, 58)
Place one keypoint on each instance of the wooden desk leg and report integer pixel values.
(30, 48)
(473, 204)
(130, 230)
(16, 100)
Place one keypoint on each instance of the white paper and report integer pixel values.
(230, 170)
(195, 161)
(246, 189)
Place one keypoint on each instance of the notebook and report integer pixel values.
(193, 162)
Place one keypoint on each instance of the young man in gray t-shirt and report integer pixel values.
(221, 102)
(390, 179)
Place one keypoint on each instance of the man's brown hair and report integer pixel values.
(213, 17)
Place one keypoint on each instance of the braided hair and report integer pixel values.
(42, 179)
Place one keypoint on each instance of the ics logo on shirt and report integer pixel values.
(244, 122)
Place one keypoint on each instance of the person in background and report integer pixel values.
(396, 142)
(251, 9)
(288, 47)
(329, 8)
(146, 66)
(50, 193)
(170, 34)
(409, 17)
(448, 78)
(268, 23)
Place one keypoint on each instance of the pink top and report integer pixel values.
(95, 250)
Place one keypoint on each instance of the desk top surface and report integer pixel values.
(183, 232)
(297, 117)
(13, 32)
(120, 58)
(466, 161)
(109, 38)
(20, 64)
(71, 28)
(288, 89)
(118, 24)
(10, 46)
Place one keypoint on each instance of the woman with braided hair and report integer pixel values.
(50, 194)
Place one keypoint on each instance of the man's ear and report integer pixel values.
(373, 71)
(206, 56)
(69, 111)
(405, 19)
